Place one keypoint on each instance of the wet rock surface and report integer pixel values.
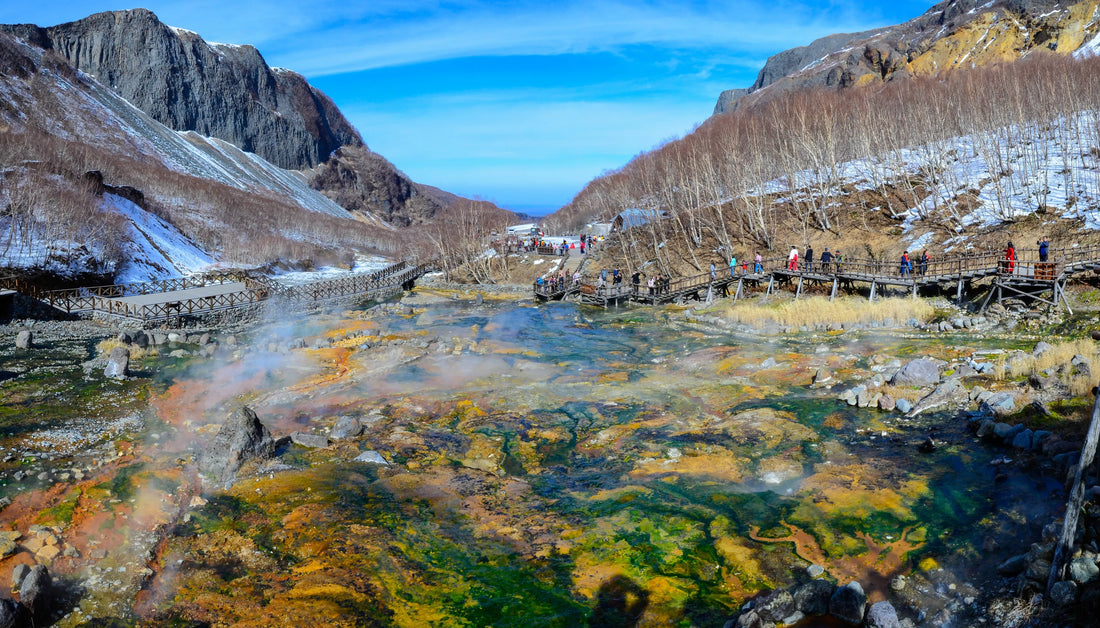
(242, 439)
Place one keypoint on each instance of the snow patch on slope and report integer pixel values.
(156, 249)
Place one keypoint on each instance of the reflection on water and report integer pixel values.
(552, 464)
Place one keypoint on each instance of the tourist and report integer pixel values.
(667, 281)
(712, 271)
(906, 266)
(616, 278)
(603, 275)
(1044, 248)
(923, 265)
(582, 245)
(650, 282)
(758, 263)
(826, 260)
(733, 265)
(576, 277)
(636, 279)
(1010, 258)
(792, 259)
(810, 258)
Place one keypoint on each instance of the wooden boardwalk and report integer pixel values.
(176, 298)
(1024, 277)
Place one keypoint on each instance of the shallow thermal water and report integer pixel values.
(556, 465)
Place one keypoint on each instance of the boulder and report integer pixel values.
(313, 441)
(848, 603)
(1022, 440)
(903, 406)
(118, 364)
(775, 606)
(882, 615)
(1063, 593)
(18, 575)
(920, 372)
(1040, 348)
(1000, 404)
(1042, 382)
(1083, 570)
(140, 338)
(24, 340)
(372, 457)
(812, 598)
(9, 613)
(1013, 566)
(35, 590)
(986, 428)
(242, 438)
(346, 427)
(946, 394)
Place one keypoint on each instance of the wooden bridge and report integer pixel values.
(1026, 276)
(213, 292)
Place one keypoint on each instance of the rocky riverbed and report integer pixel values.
(458, 458)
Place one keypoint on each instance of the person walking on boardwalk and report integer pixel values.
(636, 279)
(712, 271)
(923, 264)
(1010, 258)
(582, 245)
(906, 265)
(826, 260)
(792, 259)
(733, 265)
(616, 277)
(1044, 248)
(758, 263)
(810, 258)
(650, 282)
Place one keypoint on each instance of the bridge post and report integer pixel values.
(771, 282)
(959, 292)
(914, 289)
(738, 294)
(872, 295)
(835, 283)
(798, 291)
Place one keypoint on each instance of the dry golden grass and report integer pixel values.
(909, 393)
(1059, 357)
(104, 347)
(819, 310)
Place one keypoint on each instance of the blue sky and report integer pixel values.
(521, 103)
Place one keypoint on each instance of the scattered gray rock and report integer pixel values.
(1083, 570)
(346, 427)
(313, 441)
(882, 615)
(903, 406)
(118, 364)
(24, 340)
(950, 392)
(768, 363)
(815, 571)
(1042, 382)
(775, 606)
(242, 438)
(1040, 348)
(919, 372)
(848, 603)
(140, 338)
(822, 377)
(1022, 440)
(1000, 404)
(812, 598)
(18, 575)
(1063, 593)
(886, 403)
(34, 592)
(986, 428)
(372, 457)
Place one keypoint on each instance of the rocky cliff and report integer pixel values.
(188, 84)
(952, 34)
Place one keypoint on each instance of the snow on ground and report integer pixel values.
(364, 265)
(156, 249)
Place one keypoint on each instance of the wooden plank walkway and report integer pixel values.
(174, 298)
(1025, 276)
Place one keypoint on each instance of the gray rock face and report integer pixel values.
(118, 363)
(18, 575)
(882, 615)
(727, 100)
(947, 393)
(346, 427)
(848, 603)
(775, 606)
(903, 406)
(919, 372)
(372, 457)
(34, 593)
(242, 438)
(1013, 566)
(185, 83)
(24, 340)
(1041, 347)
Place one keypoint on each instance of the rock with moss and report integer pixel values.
(241, 439)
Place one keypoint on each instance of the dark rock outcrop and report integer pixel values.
(848, 603)
(362, 181)
(241, 439)
(9, 612)
(727, 100)
(34, 593)
(118, 364)
(187, 84)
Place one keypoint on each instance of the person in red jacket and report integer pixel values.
(1010, 258)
